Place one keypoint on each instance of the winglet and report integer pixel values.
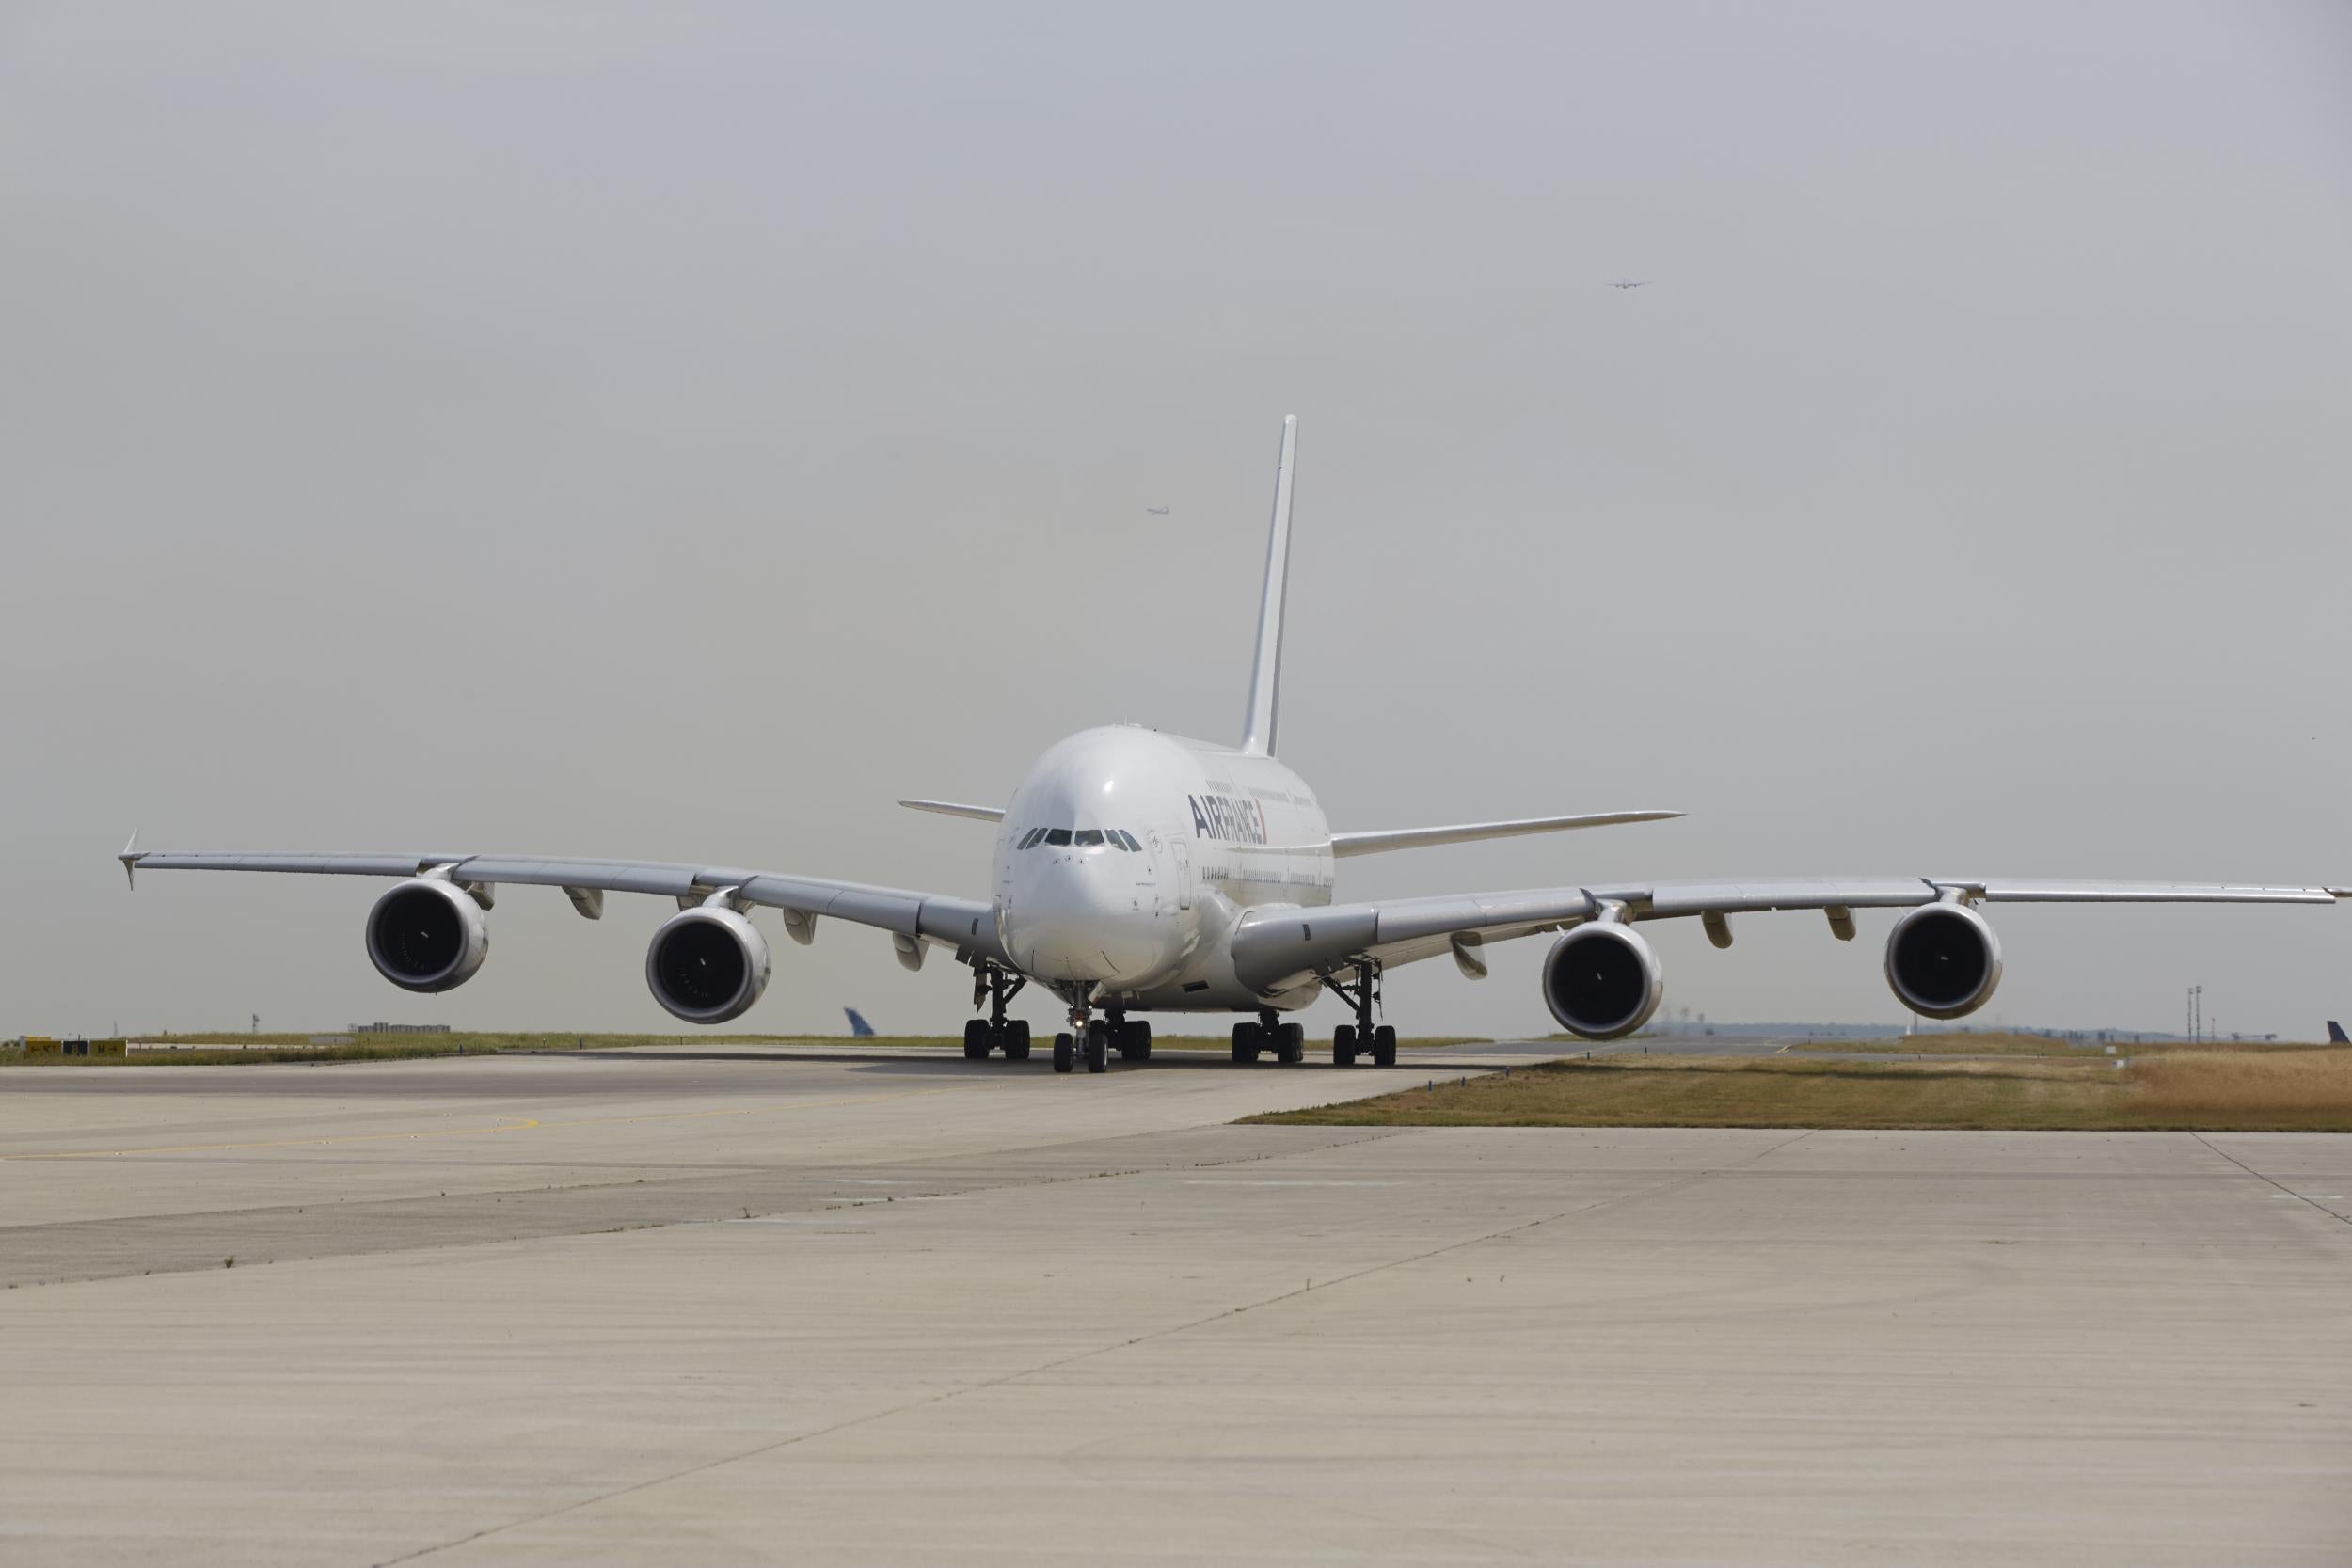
(129, 859)
(1266, 673)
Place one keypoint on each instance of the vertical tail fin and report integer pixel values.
(1266, 674)
(2336, 1034)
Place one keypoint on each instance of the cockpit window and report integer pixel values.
(1128, 839)
(1088, 837)
(1030, 837)
(1058, 836)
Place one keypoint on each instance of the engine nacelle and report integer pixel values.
(1943, 961)
(1601, 981)
(427, 935)
(708, 965)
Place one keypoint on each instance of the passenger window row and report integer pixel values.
(1082, 838)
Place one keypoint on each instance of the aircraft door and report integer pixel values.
(1184, 873)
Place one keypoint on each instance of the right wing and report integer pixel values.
(1275, 949)
(967, 925)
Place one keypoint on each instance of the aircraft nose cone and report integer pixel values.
(1078, 919)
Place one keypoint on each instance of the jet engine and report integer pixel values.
(708, 965)
(1601, 981)
(427, 935)
(1943, 961)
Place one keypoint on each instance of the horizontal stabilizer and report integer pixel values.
(1466, 833)
(948, 808)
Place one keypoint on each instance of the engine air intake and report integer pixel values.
(707, 965)
(1602, 982)
(1943, 961)
(426, 935)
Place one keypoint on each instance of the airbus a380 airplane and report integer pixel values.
(1135, 872)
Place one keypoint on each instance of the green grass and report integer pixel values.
(192, 1049)
(1974, 1043)
(232, 1048)
(2303, 1090)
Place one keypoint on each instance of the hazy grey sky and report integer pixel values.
(678, 433)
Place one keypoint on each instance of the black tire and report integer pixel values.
(1135, 1044)
(1344, 1046)
(1017, 1040)
(1384, 1046)
(976, 1039)
(1290, 1044)
(1098, 1046)
(1245, 1044)
(1065, 1053)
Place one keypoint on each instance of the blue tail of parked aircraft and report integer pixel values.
(2336, 1034)
(858, 1026)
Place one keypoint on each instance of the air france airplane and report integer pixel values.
(1135, 872)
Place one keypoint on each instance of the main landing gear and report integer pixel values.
(1286, 1041)
(1349, 1041)
(995, 1032)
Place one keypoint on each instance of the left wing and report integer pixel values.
(967, 925)
(1276, 948)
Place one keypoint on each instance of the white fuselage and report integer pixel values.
(1215, 831)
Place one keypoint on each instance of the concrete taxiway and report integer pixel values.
(753, 1308)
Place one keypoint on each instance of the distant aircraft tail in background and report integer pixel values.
(858, 1026)
(2336, 1034)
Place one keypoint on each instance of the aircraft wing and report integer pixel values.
(967, 925)
(1274, 948)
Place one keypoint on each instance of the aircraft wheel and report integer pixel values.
(1098, 1046)
(976, 1039)
(1135, 1041)
(1065, 1053)
(1344, 1046)
(1017, 1040)
(1384, 1046)
(1290, 1044)
(1245, 1044)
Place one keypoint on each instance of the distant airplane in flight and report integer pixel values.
(859, 1028)
(1157, 511)
(2336, 1034)
(1632, 284)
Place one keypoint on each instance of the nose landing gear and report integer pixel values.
(1088, 1035)
(1349, 1041)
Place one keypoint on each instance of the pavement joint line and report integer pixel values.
(505, 1125)
(2284, 1190)
(837, 1205)
(1222, 1315)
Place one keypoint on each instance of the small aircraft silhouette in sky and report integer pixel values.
(1159, 511)
(1632, 284)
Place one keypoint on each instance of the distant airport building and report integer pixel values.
(400, 1028)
